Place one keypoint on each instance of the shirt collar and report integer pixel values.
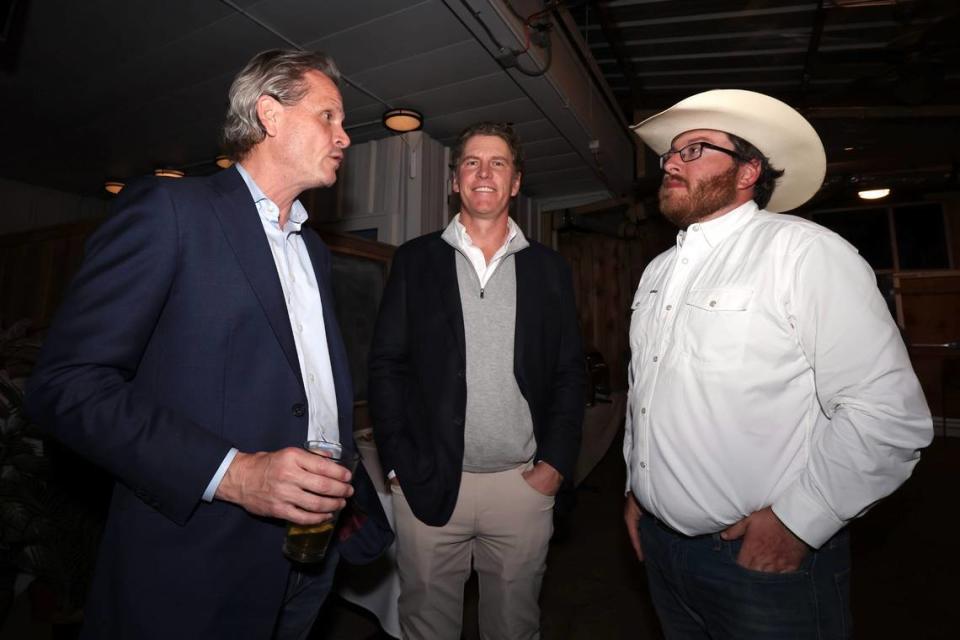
(456, 236)
(268, 209)
(717, 230)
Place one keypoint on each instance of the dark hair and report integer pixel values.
(278, 73)
(502, 130)
(767, 182)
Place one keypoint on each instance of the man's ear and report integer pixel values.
(748, 174)
(268, 111)
(515, 184)
(455, 183)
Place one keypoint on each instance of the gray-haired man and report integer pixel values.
(195, 353)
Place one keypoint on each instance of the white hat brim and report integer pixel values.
(773, 127)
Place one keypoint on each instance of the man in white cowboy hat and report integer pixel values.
(771, 397)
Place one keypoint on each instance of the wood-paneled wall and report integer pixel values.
(929, 309)
(36, 267)
(606, 271)
(929, 305)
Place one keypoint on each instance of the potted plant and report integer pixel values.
(49, 521)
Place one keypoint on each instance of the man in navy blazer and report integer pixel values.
(195, 353)
(476, 394)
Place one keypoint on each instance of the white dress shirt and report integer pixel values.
(302, 295)
(766, 370)
(456, 236)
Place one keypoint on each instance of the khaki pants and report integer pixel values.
(503, 525)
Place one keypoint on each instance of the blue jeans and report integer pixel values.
(307, 589)
(700, 591)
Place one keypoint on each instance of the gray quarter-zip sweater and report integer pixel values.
(498, 428)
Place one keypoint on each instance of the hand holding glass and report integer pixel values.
(308, 543)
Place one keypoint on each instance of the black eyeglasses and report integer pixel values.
(694, 150)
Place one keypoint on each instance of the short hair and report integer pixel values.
(278, 73)
(767, 181)
(501, 130)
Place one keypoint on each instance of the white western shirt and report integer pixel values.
(766, 371)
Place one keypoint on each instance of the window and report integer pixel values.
(866, 229)
(907, 237)
(921, 241)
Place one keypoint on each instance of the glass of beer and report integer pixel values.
(308, 543)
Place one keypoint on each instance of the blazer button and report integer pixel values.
(299, 410)
(460, 373)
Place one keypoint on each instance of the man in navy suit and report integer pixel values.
(195, 353)
(476, 394)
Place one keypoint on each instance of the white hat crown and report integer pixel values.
(774, 127)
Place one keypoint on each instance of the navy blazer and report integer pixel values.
(417, 385)
(172, 346)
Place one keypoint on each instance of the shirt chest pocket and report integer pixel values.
(716, 326)
(642, 318)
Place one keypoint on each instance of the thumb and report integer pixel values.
(735, 531)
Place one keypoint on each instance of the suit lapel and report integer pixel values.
(529, 284)
(339, 362)
(444, 259)
(241, 225)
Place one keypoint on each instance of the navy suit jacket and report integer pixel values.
(417, 386)
(172, 346)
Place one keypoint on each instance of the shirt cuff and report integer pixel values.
(805, 516)
(218, 476)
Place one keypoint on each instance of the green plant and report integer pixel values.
(48, 528)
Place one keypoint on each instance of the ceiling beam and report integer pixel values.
(819, 19)
(612, 35)
(861, 113)
(562, 81)
(878, 112)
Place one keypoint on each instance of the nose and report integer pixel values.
(672, 163)
(341, 139)
(483, 170)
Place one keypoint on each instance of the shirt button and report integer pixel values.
(643, 465)
(669, 307)
(643, 410)
(655, 358)
(299, 327)
(713, 303)
(684, 261)
(695, 227)
(311, 377)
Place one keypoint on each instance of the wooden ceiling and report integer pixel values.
(879, 79)
(99, 89)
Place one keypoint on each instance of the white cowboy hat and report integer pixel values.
(775, 128)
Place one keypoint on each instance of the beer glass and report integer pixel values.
(308, 543)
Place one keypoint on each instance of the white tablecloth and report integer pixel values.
(376, 586)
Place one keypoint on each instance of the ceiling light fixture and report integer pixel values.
(873, 194)
(224, 162)
(113, 186)
(168, 173)
(402, 120)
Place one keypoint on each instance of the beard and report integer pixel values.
(697, 202)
